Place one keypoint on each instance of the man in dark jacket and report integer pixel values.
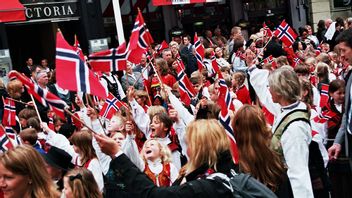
(187, 52)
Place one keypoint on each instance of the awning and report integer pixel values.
(11, 10)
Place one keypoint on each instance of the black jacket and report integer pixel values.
(141, 186)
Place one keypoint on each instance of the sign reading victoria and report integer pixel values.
(40, 10)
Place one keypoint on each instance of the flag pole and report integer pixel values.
(21, 102)
(84, 124)
(141, 74)
(36, 108)
(266, 44)
(118, 21)
(90, 101)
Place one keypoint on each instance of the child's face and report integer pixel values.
(157, 127)
(338, 96)
(23, 122)
(152, 150)
(234, 82)
(114, 124)
(119, 138)
(76, 149)
(214, 96)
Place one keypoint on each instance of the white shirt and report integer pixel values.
(295, 141)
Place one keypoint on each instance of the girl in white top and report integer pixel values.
(87, 158)
(154, 160)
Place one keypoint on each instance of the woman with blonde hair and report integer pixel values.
(253, 136)
(87, 158)
(208, 151)
(23, 174)
(80, 183)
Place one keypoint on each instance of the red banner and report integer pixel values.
(178, 2)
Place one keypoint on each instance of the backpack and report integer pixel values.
(243, 185)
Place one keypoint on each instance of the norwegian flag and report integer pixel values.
(78, 49)
(296, 61)
(324, 95)
(139, 41)
(187, 91)
(11, 134)
(161, 47)
(72, 73)
(285, 33)
(225, 103)
(270, 60)
(111, 106)
(109, 60)
(214, 63)
(9, 117)
(199, 52)
(42, 95)
(5, 142)
(267, 31)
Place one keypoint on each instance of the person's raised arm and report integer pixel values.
(141, 118)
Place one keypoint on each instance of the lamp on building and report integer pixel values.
(246, 6)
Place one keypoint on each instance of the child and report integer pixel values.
(80, 183)
(87, 158)
(142, 99)
(29, 136)
(240, 89)
(339, 170)
(334, 109)
(155, 162)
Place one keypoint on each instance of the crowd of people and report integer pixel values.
(291, 122)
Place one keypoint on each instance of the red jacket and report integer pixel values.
(243, 95)
(168, 80)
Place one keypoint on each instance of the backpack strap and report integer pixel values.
(296, 115)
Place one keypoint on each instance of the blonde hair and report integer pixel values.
(207, 52)
(152, 110)
(281, 61)
(165, 153)
(311, 60)
(285, 83)
(206, 141)
(14, 88)
(83, 184)
(25, 160)
(83, 140)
